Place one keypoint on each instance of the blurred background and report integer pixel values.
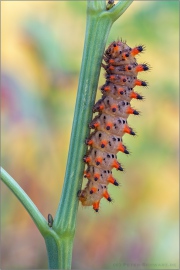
(41, 51)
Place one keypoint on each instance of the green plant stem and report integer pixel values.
(96, 34)
(97, 30)
(98, 25)
(38, 218)
(59, 238)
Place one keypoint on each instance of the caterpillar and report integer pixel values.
(110, 124)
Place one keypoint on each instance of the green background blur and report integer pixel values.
(42, 44)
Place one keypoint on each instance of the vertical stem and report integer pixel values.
(97, 31)
(98, 25)
(96, 35)
(52, 246)
(59, 251)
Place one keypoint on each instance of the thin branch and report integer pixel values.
(116, 11)
(38, 218)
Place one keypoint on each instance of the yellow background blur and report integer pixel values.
(42, 43)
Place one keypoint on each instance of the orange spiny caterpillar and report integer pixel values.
(111, 122)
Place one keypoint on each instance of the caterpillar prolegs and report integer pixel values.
(111, 122)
